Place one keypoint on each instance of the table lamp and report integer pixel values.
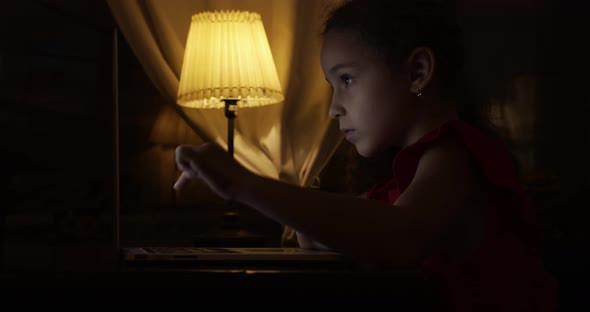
(228, 64)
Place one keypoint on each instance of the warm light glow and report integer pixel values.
(227, 56)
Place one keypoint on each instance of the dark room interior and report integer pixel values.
(58, 155)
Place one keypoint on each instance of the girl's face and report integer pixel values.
(372, 102)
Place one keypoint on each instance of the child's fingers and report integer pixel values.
(184, 178)
(184, 167)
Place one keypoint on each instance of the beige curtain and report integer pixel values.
(291, 141)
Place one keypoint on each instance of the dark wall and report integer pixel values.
(569, 64)
(55, 126)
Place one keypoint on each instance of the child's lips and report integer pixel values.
(348, 133)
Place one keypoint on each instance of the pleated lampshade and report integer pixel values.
(227, 56)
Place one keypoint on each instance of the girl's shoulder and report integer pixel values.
(488, 154)
(488, 157)
(482, 153)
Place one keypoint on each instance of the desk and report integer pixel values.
(312, 286)
(90, 266)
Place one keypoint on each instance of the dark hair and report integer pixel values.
(396, 27)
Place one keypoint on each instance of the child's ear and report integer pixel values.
(421, 64)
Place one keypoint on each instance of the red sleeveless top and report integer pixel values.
(506, 273)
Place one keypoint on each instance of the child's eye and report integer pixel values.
(347, 80)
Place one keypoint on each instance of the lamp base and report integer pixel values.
(229, 235)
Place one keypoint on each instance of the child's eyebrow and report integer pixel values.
(342, 65)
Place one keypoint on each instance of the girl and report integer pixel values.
(452, 207)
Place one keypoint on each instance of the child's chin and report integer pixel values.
(367, 153)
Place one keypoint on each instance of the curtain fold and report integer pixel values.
(291, 141)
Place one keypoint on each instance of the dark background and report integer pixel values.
(56, 131)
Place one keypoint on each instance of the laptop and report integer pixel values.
(234, 255)
(222, 253)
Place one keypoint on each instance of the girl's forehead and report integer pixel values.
(347, 44)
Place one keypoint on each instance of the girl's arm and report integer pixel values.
(440, 195)
(305, 242)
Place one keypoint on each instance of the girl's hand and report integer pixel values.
(212, 164)
(307, 243)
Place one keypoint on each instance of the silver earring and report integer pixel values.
(419, 93)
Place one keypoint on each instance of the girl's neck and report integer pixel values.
(432, 116)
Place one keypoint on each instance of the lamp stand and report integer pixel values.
(231, 217)
(230, 234)
(231, 106)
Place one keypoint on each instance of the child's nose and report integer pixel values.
(336, 109)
